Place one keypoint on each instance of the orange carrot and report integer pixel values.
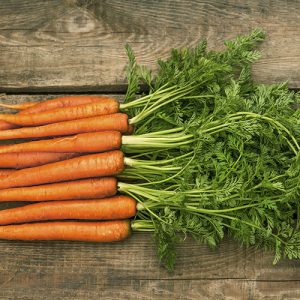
(4, 172)
(84, 142)
(66, 101)
(117, 122)
(106, 106)
(115, 208)
(6, 126)
(35, 107)
(87, 166)
(109, 231)
(79, 189)
(23, 160)
(19, 106)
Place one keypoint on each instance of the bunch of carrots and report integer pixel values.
(69, 166)
(194, 155)
(70, 174)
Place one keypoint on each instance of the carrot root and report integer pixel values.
(87, 166)
(66, 101)
(5, 172)
(106, 106)
(82, 143)
(112, 122)
(70, 190)
(109, 231)
(23, 160)
(115, 208)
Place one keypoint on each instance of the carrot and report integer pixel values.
(109, 231)
(106, 106)
(4, 172)
(6, 126)
(84, 142)
(115, 208)
(87, 166)
(20, 106)
(23, 160)
(66, 101)
(35, 107)
(117, 122)
(79, 189)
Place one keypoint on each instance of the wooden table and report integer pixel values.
(70, 46)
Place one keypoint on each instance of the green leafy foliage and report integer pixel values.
(223, 154)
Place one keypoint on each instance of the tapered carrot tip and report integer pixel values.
(110, 231)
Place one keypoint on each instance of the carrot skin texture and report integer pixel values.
(5, 172)
(71, 190)
(23, 160)
(81, 143)
(7, 126)
(109, 231)
(66, 101)
(36, 107)
(87, 166)
(115, 208)
(105, 107)
(112, 122)
(20, 106)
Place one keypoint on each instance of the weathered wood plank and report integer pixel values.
(79, 45)
(129, 270)
(37, 287)
(136, 259)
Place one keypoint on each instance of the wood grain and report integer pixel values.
(129, 270)
(79, 45)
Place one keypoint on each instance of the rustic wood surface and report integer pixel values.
(78, 46)
(75, 45)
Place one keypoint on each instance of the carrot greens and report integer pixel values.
(214, 152)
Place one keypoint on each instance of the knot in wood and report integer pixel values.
(80, 22)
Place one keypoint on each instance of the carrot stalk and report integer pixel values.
(117, 122)
(106, 106)
(79, 189)
(115, 208)
(87, 166)
(109, 231)
(19, 106)
(84, 142)
(23, 160)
